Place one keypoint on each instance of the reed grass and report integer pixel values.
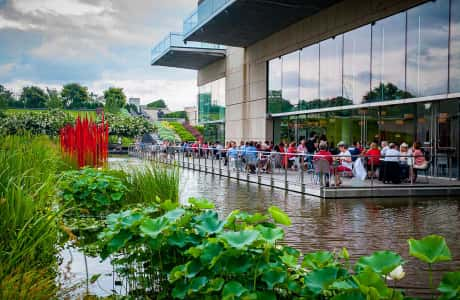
(152, 183)
(29, 168)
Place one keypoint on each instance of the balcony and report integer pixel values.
(241, 23)
(172, 51)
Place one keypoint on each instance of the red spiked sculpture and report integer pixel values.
(86, 143)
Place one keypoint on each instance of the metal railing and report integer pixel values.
(202, 13)
(175, 39)
(300, 172)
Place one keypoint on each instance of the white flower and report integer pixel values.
(397, 274)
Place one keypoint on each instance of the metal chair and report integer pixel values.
(322, 169)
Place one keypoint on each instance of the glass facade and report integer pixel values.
(211, 110)
(403, 56)
(211, 101)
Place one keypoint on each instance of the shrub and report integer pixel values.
(127, 126)
(165, 131)
(183, 133)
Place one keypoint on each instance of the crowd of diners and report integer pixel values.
(389, 162)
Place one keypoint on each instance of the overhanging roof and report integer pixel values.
(241, 23)
(173, 52)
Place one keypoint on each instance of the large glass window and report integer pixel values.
(454, 79)
(274, 86)
(388, 59)
(211, 101)
(331, 71)
(357, 64)
(309, 77)
(290, 78)
(427, 48)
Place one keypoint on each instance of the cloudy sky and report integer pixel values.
(98, 43)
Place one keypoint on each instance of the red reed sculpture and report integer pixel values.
(86, 143)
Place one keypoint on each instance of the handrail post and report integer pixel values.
(302, 187)
(212, 164)
(206, 164)
(220, 167)
(285, 172)
(372, 172)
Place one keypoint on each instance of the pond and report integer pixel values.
(362, 225)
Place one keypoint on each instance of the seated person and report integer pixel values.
(345, 162)
(391, 169)
(420, 162)
(323, 154)
(373, 159)
(404, 160)
(355, 150)
(291, 157)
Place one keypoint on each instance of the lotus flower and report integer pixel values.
(397, 273)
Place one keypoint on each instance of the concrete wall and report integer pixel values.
(246, 69)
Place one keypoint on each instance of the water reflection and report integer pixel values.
(363, 225)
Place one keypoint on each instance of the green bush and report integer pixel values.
(183, 133)
(165, 132)
(127, 126)
(92, 190)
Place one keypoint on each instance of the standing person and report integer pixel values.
(251, 157)
(391, 171)
(232, 156)
(385, 148)
(404, 161)
(291, 155)
(303, 158)
(355, 150)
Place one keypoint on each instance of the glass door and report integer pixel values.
(446, 162)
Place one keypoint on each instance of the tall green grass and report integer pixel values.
(29, 168)
(152, 182)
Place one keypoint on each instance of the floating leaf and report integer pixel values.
(153, 227)
(201, 203)
(382, 262)
(318, 260)
(431, 249)
(240, 239)
(279, 216)
(233, 289)
(450, 285)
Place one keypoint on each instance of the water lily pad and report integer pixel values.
(431, 249)
(450, 285)
(318, 260)
(233, 289)
(240, 239)
(279, 216)
(201, 203)
(382, 262)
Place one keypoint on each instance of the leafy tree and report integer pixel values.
(176, 115)
(160, 103)
(75, 96)
(115, 99)
(34, 97)
(5, 96)
(387, 91)
(54, 99)
(132, 108)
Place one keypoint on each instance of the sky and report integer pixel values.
(97, 43)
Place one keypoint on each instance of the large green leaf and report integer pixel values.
(273, 277)
(175, 214)
(371, 284)
(320, 280)
(450, 285)
(209, 223)
(200, 203)
(215, 285)
(233, 289)
(180, 289)
(355, 295)
(431, 249)
(192, 268)
(198, 283)
(270, 235)
(119, 241)
(279, 216)
(177, 273)
(240, 239)
(153, 227)
(318, 260)
(382, 262)
(209, 252)
(239, 264)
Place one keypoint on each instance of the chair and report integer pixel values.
(322, 169)
(425, 170)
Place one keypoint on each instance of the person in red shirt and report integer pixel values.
(323, 153)
(292, 150)
(373, 159)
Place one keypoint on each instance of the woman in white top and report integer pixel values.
(345, 162)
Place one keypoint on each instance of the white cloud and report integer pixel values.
(57, 7)
(12, 24)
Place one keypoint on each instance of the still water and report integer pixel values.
(362, 225)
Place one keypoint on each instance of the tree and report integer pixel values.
(5, 97)
(160, 103)
(54, 99)
(115, 99)
(34, 97)
(75, 96)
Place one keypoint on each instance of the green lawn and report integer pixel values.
(74, 113)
